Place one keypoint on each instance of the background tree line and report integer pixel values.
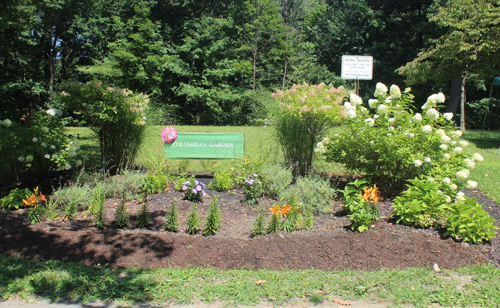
(214, 62)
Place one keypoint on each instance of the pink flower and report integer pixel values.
(169, 134)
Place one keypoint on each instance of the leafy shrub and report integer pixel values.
(172, 221)
(214, 218)
(312, 192)
(422, 204)
(116, 116)
(362, 209)
(126, 184)
(222, 181)
(303, 114)
(391, 145)
(467, 221)
(154, 183)
(275, 178)
(77, 193)
(253, 188)
(14, 200)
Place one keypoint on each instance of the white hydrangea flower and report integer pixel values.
(320, 148)
(448, 199)
(45, 129)
(21, 158)
(453, 186)
(440, 132)
(35, 139)
(448, 116)
(460, 196)
(440, 97)
(447, 156)
(380, 89)
(432, 113)
(29, 158)
(417, 163)
(426, 129)
(55, 156)
(395, 91)
(355, 100)
(417, 118)
(54, 112)
(68, 166)
(392, 120)
(430, 179)
(453, 142)
(443, 147)
(446, 180)
(463, 143)
(471, 184)
(375, 116)
(462, 174)
(412, 135)
(382, 109)
(470, 163)
(43, 144)
(6, 123)
(477, 157)
(428, 160)
(400, 114)
(458, 150)
(391, 127)
(351, 113)
(347, 105)
(445, 139)
(373, 103)
(370, 122)
(456, 134)
(47, 156)
(388, 100)
(52, 147)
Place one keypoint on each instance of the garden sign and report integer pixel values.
(206, 146)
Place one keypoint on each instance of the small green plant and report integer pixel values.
(154, 183)
(172, 222)
(35, 213)
(209, 166)
(259, 224)
(14, 200)
(422, 204)
(193, 221)
(467, 221)
(143, 217)
(253, 188)
(222, 181)
(316, 298)
(275, 178)
(194, 190)
(275, 223)
(214, 218)
(312, 192)
(309, 223)
(100, 214)
(121, 215)
(51, 210)
(363, 210)
(71, 211)
(97, 199)
(179, 181)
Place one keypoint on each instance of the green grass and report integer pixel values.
(487, 172)
(418, 287)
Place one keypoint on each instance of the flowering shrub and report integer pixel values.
(391, 144)
(253, 188)
(303, 115)
(116, 116)
(194, 190)
(37, 147)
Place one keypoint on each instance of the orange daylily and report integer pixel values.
(31, 201)
(287, 208)
(275, 209)
(42, 197)
(371, 194)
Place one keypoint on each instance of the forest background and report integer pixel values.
(215, 62)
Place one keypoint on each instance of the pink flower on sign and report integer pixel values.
(169, 134)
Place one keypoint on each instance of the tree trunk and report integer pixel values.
(462, 103)
(452, 105)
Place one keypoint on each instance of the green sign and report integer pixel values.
(206, 146)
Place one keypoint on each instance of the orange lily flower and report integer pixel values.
(275, 209)
(42, 197)
(287, 208)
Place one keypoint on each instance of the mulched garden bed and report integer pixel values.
(329, 245)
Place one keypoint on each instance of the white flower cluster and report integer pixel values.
(380, 89)
(54, 112)
(320, 146)
(6, 123)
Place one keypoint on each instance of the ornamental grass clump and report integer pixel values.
(392, 144)
(303, 115)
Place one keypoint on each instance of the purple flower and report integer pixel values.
(194, 191)
(184, 187)
(196, 182)
(254, 175)
(250, 176)
(251, 182)
(186, 183)
(204, 193)
(198, 188)
(203, 185)
(259, 182)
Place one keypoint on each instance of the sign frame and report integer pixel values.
(357, 67)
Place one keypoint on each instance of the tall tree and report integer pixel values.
(470, 45)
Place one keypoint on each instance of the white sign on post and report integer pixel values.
(357, 67)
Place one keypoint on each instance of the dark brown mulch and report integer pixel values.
(329, 245)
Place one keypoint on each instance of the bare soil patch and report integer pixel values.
(329, 245)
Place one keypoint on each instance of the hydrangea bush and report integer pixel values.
(391, 143)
